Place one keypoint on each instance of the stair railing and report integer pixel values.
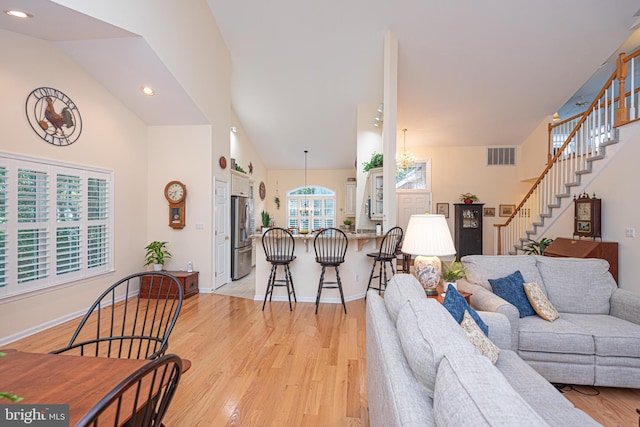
(583, 136)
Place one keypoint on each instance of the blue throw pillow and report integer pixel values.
(457, 305)
(511, 289)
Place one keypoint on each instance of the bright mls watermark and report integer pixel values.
(34, 415)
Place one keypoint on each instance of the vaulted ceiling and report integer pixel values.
(469, 72)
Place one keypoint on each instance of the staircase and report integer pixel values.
(579, 147)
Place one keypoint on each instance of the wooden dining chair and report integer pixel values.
(141, 399)
(125, 323)
(330, 246)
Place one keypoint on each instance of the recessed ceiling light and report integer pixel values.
(148, 90)
(18, 14)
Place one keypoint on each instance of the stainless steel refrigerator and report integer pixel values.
(240, 241)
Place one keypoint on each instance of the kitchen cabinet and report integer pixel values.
(350, 199)
(376, 193)
(239, 184)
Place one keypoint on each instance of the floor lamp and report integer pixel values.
(428, 237)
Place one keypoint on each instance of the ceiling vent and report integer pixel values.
(501, 156)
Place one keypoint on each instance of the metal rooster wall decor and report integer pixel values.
(53, 116)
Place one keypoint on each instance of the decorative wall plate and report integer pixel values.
(53, 116)
(263, 190)
(223, 162)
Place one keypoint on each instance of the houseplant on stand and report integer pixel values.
(156, 254)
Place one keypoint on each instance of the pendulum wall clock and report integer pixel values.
(587, 217)
(176, 194)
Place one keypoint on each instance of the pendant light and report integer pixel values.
(406, 160)
(305, 205)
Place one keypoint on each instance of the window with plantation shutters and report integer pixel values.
(56, 223)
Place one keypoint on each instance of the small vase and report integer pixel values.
(157, 267)
(468, 201)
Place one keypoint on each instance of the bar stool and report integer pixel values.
(330, 246)
(279, 246)
(387, 254)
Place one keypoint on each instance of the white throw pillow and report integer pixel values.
(540, 302)
(479, 340)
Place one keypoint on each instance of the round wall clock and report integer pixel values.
(263, 190)
(223, 162)
(53, 116)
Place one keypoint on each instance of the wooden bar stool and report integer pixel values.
(330, 246)
(279, 246)
(386, 255)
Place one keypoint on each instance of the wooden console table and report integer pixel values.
(575, 248)
(189, 282)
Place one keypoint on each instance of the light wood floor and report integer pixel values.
(281, 368)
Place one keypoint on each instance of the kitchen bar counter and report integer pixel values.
(354, 272)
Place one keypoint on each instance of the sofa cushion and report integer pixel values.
(612, 336)
(577, 285)
(540, 302)
(481, 268)
(471, 391)
(479, 339)
(457, 306)
(427, 331)
(400, 289)
(561, 336)
(511, 288)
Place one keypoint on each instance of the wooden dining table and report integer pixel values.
(78, 381)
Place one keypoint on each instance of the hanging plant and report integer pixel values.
(276, 199)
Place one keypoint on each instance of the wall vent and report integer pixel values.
(501, 156)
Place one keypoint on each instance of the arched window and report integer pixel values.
(320, 212)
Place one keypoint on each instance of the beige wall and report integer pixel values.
(457, 170)
(532, 154)
(112, 138)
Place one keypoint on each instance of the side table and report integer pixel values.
(440, 298)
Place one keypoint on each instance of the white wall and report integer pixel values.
(616, 186)
(182, 153)
(186, 38)
(112, 138)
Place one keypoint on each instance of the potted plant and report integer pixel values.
(156, 254)
(469, 198)
(537, 248)
(347, 224)
(376, 162)
(266, 220)
(452, 272)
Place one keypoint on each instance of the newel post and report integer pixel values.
(621, 75)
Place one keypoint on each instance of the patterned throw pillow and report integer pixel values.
(540, 302)
(479, 340)
(511, 289)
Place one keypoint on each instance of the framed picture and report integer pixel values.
(442, 209)
(489, 211)
(507, 210)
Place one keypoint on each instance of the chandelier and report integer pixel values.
(405, 160)
(305, 205)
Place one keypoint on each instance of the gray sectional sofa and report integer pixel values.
(423, 371)
(596, 340)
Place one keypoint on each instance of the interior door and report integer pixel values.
(222, 273)
(410, 203)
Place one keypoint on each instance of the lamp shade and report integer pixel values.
(428, 235)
